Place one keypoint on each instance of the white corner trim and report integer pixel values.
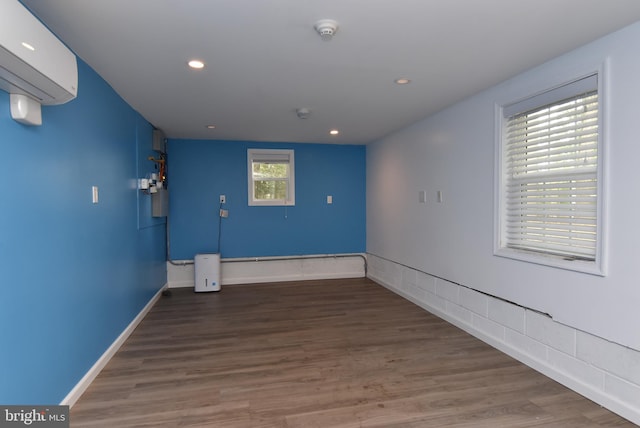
(93, 372)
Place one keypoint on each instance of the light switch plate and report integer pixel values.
(94, 194)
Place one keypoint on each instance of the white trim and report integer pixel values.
(77, 391)
(552, 95)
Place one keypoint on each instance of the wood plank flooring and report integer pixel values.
(338, 353)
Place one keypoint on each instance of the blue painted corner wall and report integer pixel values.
(200, 171)
(73, 274)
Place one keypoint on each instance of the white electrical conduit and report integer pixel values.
(260, 259)
(303, 257)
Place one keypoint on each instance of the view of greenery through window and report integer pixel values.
(270, 180)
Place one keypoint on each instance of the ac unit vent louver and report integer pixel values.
(33, 62)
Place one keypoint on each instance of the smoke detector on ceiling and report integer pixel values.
(326, 28)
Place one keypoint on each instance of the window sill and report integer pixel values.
(558, 262)
(274, 203)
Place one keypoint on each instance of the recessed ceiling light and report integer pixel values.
(196, 63)
(334, 132)
(211, 127)
(402, 81)
(28, 46)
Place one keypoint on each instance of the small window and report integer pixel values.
(550, 188)
(271, 177)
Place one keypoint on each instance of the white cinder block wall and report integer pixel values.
(604, 372)
(579, 328)
(269, 269)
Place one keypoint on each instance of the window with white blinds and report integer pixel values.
(550, 173)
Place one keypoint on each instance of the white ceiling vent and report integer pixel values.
(303, 113)
(326, 28)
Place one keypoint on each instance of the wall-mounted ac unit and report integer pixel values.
(33, 62)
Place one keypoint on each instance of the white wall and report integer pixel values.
(453, 151)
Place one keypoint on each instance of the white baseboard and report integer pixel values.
(93, 372)
(182, 284)
(275, 269)
(615, 392)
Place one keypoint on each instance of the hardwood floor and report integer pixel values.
(339, 353)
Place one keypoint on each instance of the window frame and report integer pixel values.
(503, 111)
(274, 156)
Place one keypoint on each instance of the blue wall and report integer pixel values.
(73, 274)
(200, 171)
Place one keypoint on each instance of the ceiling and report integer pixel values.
(264, 59)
